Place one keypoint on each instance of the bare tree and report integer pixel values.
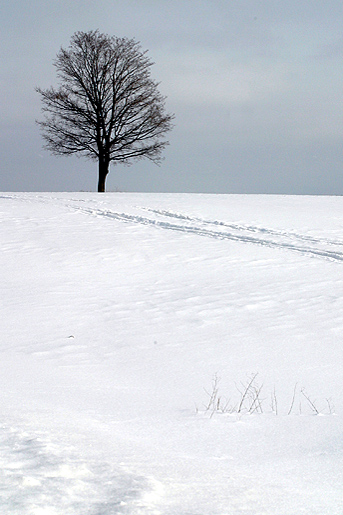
(107, 106)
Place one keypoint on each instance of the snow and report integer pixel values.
(123, 313)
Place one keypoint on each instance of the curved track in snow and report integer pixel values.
(306, 245)
(283, 240)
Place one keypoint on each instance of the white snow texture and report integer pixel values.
(171, 354)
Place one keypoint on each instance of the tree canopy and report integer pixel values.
(107, 107)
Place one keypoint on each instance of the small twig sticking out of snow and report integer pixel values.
(311, 403)
(214, 393)
(331, 408)
(256, 404)
(216, 403)
(274, 404)
(293, 399)
(245, 392)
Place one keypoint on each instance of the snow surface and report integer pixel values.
(121, 314)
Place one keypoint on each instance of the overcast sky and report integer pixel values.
(256, 87)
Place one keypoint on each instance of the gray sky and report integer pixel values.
(256, 88)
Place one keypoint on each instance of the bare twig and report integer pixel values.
(293, 399)
(245, 392)
(256, 404)
(331, 408)
(214, 393)
(274, 404)
(311, 403)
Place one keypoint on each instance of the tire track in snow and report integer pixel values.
(240, 234)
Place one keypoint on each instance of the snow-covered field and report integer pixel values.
(168, 354)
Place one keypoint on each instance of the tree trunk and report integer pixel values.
(103, 171)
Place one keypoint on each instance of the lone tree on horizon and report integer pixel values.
(107, 107)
